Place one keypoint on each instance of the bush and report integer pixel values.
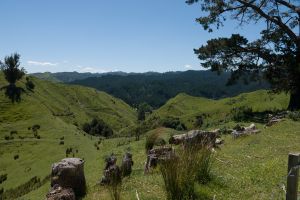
(294, 115)
(16, 157)
(3, 177)
(36, 127)
(199, 121)
(29, 84)
(13, 132)
(174, 123)
(97, 127)
(61, 142)
(242, 113)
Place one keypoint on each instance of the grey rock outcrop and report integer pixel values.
(69, 173)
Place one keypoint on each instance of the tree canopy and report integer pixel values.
(12, 73)
(275, 55)
(11, 68)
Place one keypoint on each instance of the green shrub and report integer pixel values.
(174, 123)
(29, 84)
(242, 113)
(199, 121)
(294, 115)
(97, 127)
(16, 157)
(13, 132)
(3, 177)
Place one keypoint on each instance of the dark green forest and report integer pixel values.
(156, 88)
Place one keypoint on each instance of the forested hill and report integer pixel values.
(71, 76)
(156, 88)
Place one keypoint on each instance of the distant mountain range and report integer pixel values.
(156, 88)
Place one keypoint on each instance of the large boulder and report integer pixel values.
(69, 173)
(59, 193)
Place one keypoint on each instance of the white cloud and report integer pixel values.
(31, 62)
(91, 70)
(188, 66)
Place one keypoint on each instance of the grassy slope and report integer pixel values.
(55, 107)
(187, 107)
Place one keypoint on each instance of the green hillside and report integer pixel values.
(72, 104)
(217, 112)
(59, 110)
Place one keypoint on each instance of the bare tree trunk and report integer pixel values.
(294, 103)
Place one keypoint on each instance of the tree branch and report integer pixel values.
(276, 20)
(289, 5)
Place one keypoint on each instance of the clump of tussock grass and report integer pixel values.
(115, 184)
(151, 140)
(180, 172)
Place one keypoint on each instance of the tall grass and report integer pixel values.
(181, 171)
(115, 184)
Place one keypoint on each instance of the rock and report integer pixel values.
(127, 164)
(242, 131)
(273, 121)
(69, 173)
(219, 141)
(199, 137)
(59, 193)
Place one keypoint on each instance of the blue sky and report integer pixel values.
(106, 35)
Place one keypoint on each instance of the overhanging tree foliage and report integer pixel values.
(274, 56)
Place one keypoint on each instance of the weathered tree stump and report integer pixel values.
(112, 173)
(69, 173)
(127, 163)
(59, 193)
